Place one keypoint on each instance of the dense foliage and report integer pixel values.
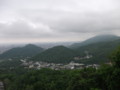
(99, 47)
(58, 54)
(96, 39)
(21, 52)
(100, 51)
(107, 77)
(10, 64)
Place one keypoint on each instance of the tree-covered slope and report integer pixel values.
(21, 52)
(58, 54)
(100, 51)
(96, 39)
(106, 77)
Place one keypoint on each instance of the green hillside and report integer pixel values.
(21, 52)
(58, 54)
(100, 51)
(106, 77)
(96, 39)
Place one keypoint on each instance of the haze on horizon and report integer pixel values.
(57, 20)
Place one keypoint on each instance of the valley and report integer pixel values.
(31, 67)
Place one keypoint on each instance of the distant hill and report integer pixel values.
(58, 54)
(100, 47)
(21, 52)
(96, 39)
(99, 50)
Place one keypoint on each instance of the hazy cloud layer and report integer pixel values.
(57, 20)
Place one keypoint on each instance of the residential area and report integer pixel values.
(54, 66)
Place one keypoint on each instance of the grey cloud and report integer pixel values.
(89, 23)
(77, 22)
(53, 19)
(23, 29)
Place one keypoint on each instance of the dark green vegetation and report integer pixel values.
(10, 64)
(96, 39)
(58, 54)
(107, 77)
(100, 51)
(21, 52)
(99, 47)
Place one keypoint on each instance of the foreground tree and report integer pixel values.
(115, 58)
(114, 78)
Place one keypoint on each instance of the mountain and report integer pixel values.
(100, 51)
(98, 47)
(21, 52)
(96, 39)
(58, 54)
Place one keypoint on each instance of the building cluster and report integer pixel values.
(87, 56)
(54, 66)
(82, 58)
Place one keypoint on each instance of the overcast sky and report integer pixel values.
(57, 20)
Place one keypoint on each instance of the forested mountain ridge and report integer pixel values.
(106, 77)
(100, 51)
(100, 48)
(58, 54)
(22, 52)
(96, 39)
